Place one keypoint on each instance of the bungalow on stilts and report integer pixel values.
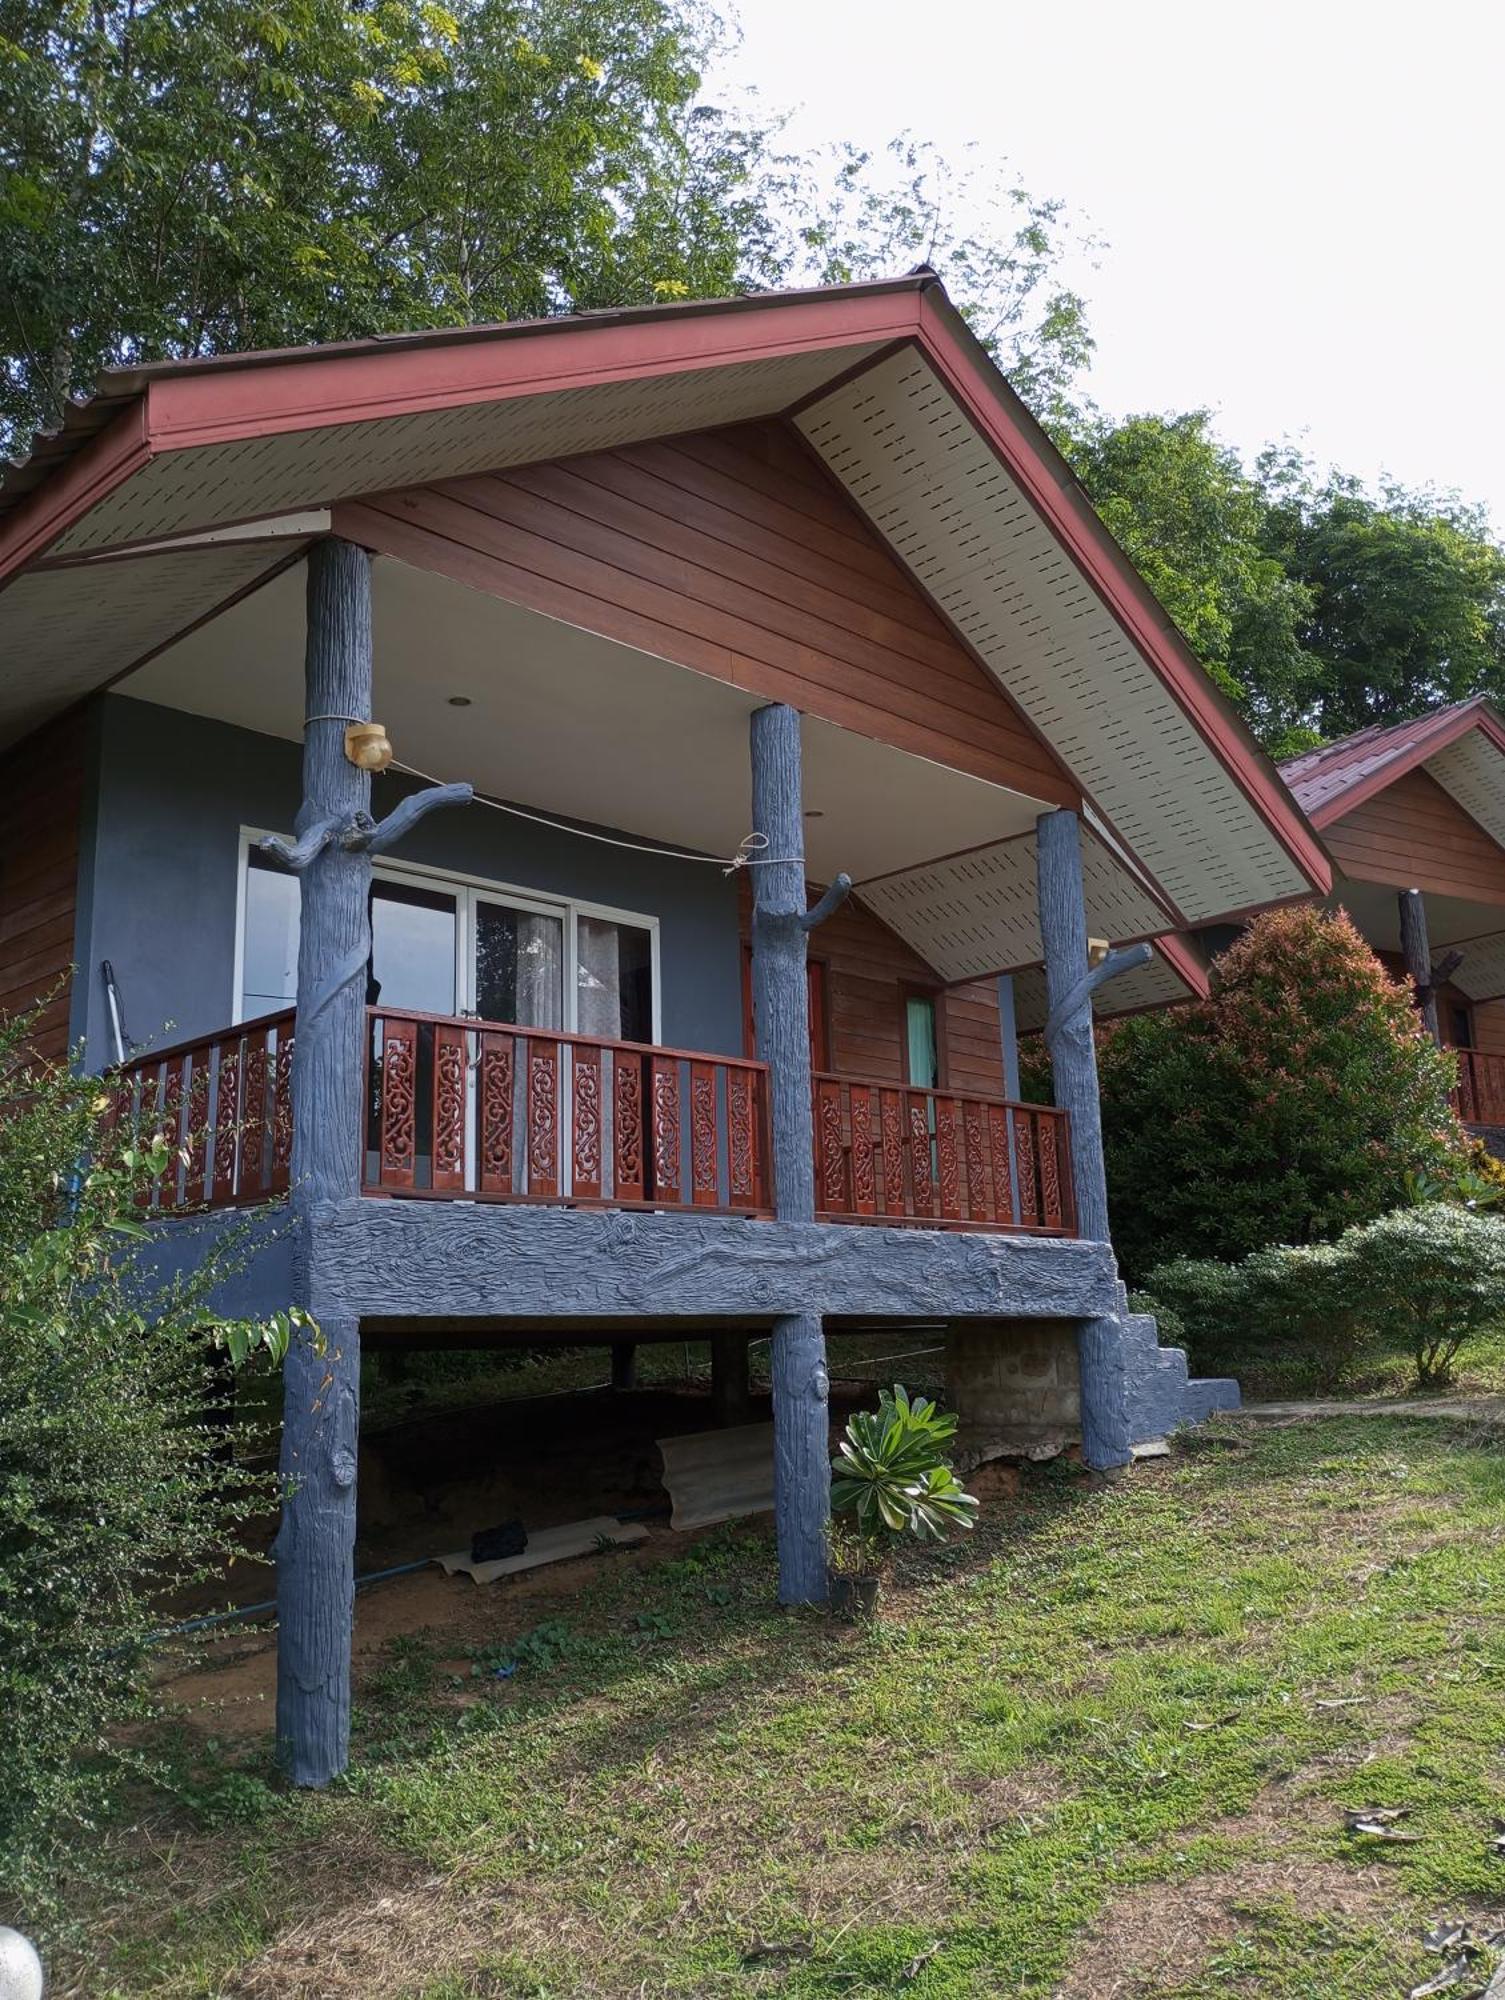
(774, 728)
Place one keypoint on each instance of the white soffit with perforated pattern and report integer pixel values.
(1482, 974)
(933, 486)
(976, 913)
(185, 490)
(70, 631)
(1157, 984)
(1472, 769)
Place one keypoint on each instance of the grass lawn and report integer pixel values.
(1103, 1748)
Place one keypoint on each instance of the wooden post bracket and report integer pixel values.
(358, 832)
(769, 921)
(1123, 958)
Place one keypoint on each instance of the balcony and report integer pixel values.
(1480, 1096)
(480, 1111)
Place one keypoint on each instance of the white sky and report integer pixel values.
(1302, 199)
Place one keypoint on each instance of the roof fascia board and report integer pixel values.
(966, 370)
(1185, 963)
(105, 462)
(215, 408)
(1468, 717)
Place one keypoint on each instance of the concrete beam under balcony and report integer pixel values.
(453, 1260)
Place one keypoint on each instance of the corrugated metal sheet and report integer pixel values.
(1319, 777)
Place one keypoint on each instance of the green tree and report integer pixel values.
(180, 177)
(117, 1484)
(1405, 597)
(1193, 522)
(872, 214)
(1297, 1100)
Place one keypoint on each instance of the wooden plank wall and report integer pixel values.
(1416, 836)
(868, 968)
(41, 799)
(735, 554)
(1489, 1027)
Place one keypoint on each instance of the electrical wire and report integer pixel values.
(748, 855)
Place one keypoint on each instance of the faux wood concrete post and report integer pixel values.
(1008, 1035)
(781, 1004)
(1063, 932)
(321, 1379)
(731, 1391)
(1416, 948)
(624, 1364)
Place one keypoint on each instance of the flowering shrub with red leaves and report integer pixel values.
(1288, 1106)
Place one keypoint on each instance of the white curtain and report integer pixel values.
(540, 972)
(599, 989)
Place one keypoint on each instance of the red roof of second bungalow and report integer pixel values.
(1335, 778)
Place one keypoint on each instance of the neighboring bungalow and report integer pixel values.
(1414, 818)
(707, 603)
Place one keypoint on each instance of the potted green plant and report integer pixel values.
(890, 1480)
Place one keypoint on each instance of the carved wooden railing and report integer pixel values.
(1480, 1096)
(491, 1112)
(947, 1159)
(223, 1103)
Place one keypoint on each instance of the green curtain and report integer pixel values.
(924, 1068)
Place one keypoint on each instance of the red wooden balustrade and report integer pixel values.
(224, 1105)
(494, 1112)
(490, 1112)
(941, 1158)
(1480, 1096)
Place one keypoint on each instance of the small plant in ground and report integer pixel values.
(894, 1479)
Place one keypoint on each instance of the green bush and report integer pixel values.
(1290, 1105)
(119, 1477)
(1426, 1278)
(1287, 1303)
(1434, 1276)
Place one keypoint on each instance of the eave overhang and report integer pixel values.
(954, 474)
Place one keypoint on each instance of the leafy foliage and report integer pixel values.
(1193, 523)
(1437, 1272)
(119, 1471)
(1286, 1300)
(1431, 1276)
(180, 179)
(861, 214)
(891, 1473)
(1405, 598)
(1291, 1104)
(1317, 606)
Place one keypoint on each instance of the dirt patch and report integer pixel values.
(1158, 1935)
(229, 1689)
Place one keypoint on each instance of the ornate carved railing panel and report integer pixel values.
(223, 1105)
(1480, 1096)
(493, 1112)
(940, 1158)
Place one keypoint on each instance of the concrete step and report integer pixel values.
(1162, 1395)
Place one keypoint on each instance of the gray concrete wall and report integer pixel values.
(158, 880)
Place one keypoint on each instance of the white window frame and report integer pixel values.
(466, 888)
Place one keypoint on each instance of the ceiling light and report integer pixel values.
(459, 701)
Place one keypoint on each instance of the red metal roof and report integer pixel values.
(1336, 777)
(183, 447)
(87, 415)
